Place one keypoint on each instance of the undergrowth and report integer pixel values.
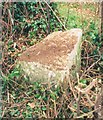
(23, 99)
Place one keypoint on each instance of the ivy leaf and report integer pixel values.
(83, 81)
(44, 108)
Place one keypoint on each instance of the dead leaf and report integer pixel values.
(32, 105)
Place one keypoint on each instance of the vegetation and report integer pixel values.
(25, 24)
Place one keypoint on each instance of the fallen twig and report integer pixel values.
(89, 87)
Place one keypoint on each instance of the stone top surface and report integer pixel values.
(54, 49)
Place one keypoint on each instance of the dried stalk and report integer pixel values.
(88, 88)
(55, 15)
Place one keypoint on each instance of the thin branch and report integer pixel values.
(55, 15)
(88, 88)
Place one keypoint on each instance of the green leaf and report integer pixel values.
(53, 95)
(38, 96)
(83, 81)
(44, 108)
(14, 73)
(85, 110)
(10, 42)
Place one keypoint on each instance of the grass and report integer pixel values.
(79, 15)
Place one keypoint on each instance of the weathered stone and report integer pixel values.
(52, 58)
